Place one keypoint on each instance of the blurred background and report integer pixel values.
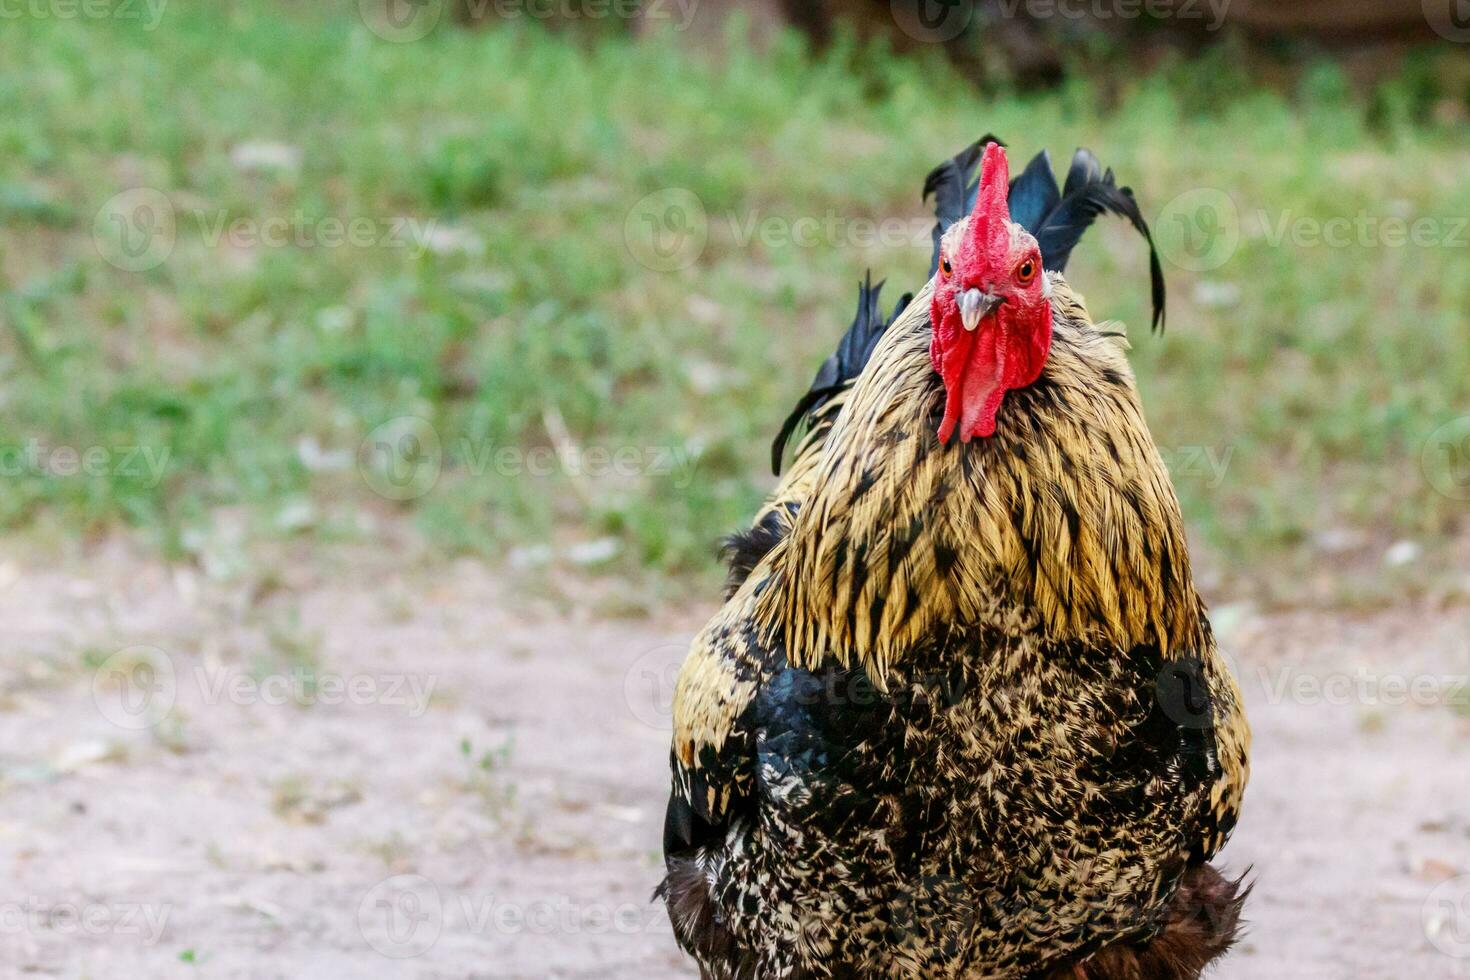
(377, 378)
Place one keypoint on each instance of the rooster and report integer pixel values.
(962, 714)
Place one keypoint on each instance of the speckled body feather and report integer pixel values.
(961, 714)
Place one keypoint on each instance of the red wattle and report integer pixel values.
(979, 367)
(984, 384)
(950, 355)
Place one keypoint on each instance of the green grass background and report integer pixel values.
(1316, 373)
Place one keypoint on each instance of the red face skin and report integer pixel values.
(995, 272)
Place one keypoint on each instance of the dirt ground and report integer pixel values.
(347, 770)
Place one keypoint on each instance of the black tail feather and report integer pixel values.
(809, 403)
(858, 342)
(845, 364)
(954, 185)
(1033, 195)
(1090, 191)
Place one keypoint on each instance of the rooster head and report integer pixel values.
(990, 311)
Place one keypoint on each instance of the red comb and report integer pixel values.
(988, 238)
(995, 180)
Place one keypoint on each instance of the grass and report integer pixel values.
(521, 351)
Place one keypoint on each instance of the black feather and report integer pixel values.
(845, 364)
(743, 550)
(1088, 192)
(953, 184)
(809, 403)
(1033, 195)
(858, 342)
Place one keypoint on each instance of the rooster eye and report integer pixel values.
(945, 267)
(1026, 272)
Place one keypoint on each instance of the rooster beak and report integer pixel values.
(975, 305)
